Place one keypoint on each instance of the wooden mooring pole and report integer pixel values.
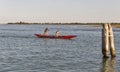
(107, 41)
(105, 49)
(111, 41)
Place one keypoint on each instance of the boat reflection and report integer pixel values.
(108, 65)
(48, 42)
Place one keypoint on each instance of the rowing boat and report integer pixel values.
(55, 37)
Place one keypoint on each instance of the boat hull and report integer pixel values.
(55, 37)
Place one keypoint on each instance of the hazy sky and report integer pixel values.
(59, 10)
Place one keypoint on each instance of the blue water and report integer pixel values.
(21, 51)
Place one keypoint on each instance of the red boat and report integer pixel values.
(55, 37)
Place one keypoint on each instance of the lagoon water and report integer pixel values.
(21, 51)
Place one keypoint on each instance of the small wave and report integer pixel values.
(17, 36)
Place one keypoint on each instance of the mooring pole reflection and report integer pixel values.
(108, 65)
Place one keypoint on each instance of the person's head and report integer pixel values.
(46, 28)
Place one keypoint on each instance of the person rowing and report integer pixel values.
(46, 31)
(57, 33)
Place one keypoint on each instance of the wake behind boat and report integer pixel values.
(55, 37)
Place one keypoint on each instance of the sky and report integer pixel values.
(63, 11)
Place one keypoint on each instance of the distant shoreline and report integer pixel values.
(117, 25)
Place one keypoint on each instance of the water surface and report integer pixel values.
(21, 51)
